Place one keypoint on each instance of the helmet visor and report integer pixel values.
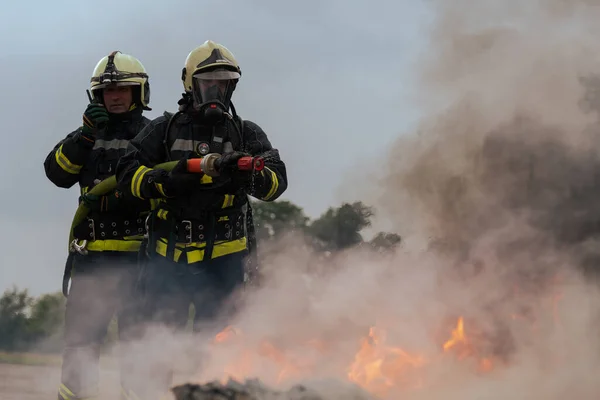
(214, 86)
(115, 83)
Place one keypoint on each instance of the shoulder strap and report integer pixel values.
(170, 117)
(218, 140)
(241, 131)
(241, 124)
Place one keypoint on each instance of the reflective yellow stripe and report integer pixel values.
(65, 164)
(162, 214)
(154, 203)
(160, 189)
(228, 201)
(221, 248)
(206, 179)
(65, 393)
(114, 245)
(274, 184)
(136, 182)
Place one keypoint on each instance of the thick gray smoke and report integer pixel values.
(502, 177)
(515, 143)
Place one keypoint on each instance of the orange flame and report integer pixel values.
(377, 366)
(458, 337)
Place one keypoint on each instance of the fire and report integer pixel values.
(265, 354)
(464, 347)
(458, 336)
(382, 368)
(226, 334)
(378, 367)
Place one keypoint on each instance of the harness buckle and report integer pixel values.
(92, 226)
(188, 229)
(74, 247)
(147, 226)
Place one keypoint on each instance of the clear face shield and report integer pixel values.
(213, 87)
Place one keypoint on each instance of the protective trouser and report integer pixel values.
(169, 288)
(103, 284)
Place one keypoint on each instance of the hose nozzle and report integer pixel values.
(206, 164)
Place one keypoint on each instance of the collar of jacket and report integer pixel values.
(129, 116)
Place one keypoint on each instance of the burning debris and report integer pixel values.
(253, 389)
(375, 368)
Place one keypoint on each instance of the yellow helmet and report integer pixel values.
(207, 57)
(210, 75)
(124, 70)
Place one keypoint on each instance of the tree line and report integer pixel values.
(36, 323)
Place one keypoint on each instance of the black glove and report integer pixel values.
(106, 203)
(94, 119)
(180, 182)
(227, 166)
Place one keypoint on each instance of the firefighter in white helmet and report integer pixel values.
(102, 259)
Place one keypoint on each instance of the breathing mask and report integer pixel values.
(212, 91)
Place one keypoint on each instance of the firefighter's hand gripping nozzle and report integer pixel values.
(206, 164)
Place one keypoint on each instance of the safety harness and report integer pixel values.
(109, 227)
(208, 226)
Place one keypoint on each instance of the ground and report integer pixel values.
(40, 382)
(30, 376)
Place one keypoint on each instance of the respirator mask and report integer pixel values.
(211, 92)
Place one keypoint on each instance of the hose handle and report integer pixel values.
(206, 164)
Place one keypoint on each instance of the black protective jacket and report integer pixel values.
(76, 160)
(213, 217)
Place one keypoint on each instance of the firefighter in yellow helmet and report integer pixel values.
(102, 259)
(200, 235)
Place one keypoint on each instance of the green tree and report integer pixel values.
(45, 324)
(272, 219)
(14, 305)
(339, 228)
(384, 241)
(47, 314)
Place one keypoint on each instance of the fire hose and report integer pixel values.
(204, 165)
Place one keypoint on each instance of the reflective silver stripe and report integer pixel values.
(183, 145)
(189, 145)
(116, 144)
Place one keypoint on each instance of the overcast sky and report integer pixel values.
(328, 80)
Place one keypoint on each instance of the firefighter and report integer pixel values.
(200, 233)
(103, 256)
